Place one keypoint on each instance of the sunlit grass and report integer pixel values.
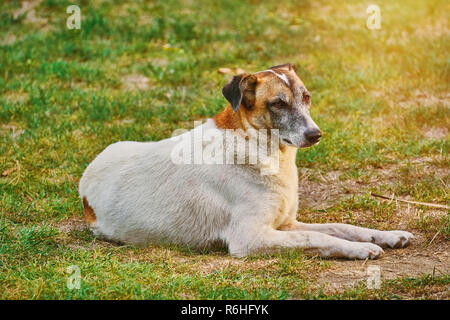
(381, 98)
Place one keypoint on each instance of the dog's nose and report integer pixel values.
(313, 135)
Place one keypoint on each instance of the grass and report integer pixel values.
(381, 98)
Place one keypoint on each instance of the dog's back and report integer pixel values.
(134, 193)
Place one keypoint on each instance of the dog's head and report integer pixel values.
(275, 99)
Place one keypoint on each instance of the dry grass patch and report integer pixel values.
(435, 133)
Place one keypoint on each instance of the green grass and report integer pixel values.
(379, 96)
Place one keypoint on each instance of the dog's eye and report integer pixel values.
(306, 97)
(278, 104)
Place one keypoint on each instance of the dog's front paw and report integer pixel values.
(392, 239)
(368, 250)
(362, 250)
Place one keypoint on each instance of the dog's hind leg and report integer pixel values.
(247, 242)
(391, 239)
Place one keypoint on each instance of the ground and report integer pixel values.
(138, 71)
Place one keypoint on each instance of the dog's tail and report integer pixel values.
(89, 213)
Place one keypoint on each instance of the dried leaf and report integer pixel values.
(8, 171)
(224, 70)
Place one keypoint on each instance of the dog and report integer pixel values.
(134, 193)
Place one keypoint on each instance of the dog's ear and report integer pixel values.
(289, 66)
(293, 67)
(240, 90)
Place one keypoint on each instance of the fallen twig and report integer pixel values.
(434, 205)
(433, 238)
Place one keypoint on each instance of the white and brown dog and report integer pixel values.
(135, 193)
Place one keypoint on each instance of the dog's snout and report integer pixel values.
(313, 135)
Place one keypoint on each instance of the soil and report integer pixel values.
(415, 260)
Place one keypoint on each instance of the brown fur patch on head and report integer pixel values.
(266, 85)
(89, 213)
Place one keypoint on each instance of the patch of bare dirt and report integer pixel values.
(159, 62)
(15, 97)
(11, 128)
(134, 82)
(28, 9)
(322, 190)
(9, 39)
(413, 261)
(212, 265)
(325, 190)
(418, 98)
(73, 225)
(70, 225)
(438, 28)
(435, 133)
(120, 122)
(422, 98)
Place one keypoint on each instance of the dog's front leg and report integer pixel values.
(244, 242)
(391, 239)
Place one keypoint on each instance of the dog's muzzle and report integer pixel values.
(313, 135)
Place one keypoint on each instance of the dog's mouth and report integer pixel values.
(306, 144)
(289, 143)
(310, 144)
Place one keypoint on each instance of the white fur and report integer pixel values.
(281, 76)
(140, 196)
